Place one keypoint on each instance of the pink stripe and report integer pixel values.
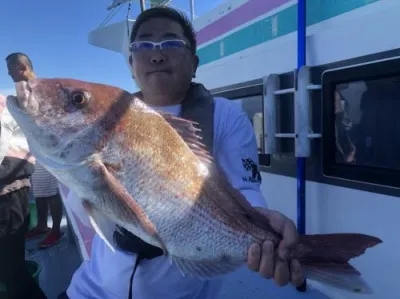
(245, 13)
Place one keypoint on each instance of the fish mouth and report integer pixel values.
(25, 99)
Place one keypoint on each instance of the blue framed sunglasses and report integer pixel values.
(144, 46)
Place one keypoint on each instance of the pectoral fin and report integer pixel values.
(120, 193)
(101, 224)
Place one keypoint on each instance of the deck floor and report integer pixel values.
(60, 262)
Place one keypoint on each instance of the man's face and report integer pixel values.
(16, 71)
(163, 71)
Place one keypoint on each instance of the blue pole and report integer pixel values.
(301, 161)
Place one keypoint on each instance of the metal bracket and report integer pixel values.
(303, 131)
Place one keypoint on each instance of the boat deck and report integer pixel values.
(59, 263)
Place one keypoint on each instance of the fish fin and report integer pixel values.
(328, 248)
(234, 202)
(188, 131)
(103, 227)
(120, 193)
(341, 278)
(325, 258)
(207, 269)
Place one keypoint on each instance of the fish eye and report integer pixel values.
(79, 99)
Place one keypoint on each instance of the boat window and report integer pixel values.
(363, 117)
(253, 106)
(367, 131)
(249, 95)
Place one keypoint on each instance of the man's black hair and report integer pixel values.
(171, 14)
(19, 57)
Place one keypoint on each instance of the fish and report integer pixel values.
(150, 173)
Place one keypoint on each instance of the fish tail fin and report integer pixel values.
(325, 258)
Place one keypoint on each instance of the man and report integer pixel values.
(46, 193)
(164, 76)
(44, 184)
(16, 167)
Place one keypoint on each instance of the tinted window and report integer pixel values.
(367, 127)
(253, 106)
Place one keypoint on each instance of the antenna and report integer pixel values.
(192, 15)
(151, 3)
(154, 3)
(116, 3)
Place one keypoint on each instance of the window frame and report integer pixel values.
(244, 90)
(330, 78)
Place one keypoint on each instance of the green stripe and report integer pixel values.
(285, 22)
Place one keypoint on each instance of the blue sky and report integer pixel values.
(55, 35)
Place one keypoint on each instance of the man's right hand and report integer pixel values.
(272, 263)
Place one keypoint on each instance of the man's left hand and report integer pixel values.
(274, 263)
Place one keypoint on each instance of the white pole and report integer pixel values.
(192, 9)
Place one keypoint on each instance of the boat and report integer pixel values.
(319, 82)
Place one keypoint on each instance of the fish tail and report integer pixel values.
(325, 258)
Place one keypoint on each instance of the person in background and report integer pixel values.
(164, 62)
(346, 150)
(45, 190)
(44, 184)
(16, 168)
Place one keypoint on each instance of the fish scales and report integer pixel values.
(184, 184)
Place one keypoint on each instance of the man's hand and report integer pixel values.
(272, 263)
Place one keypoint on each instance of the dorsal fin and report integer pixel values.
(189, 132)
(234, 202)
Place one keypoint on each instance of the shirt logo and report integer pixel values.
(250, 165)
